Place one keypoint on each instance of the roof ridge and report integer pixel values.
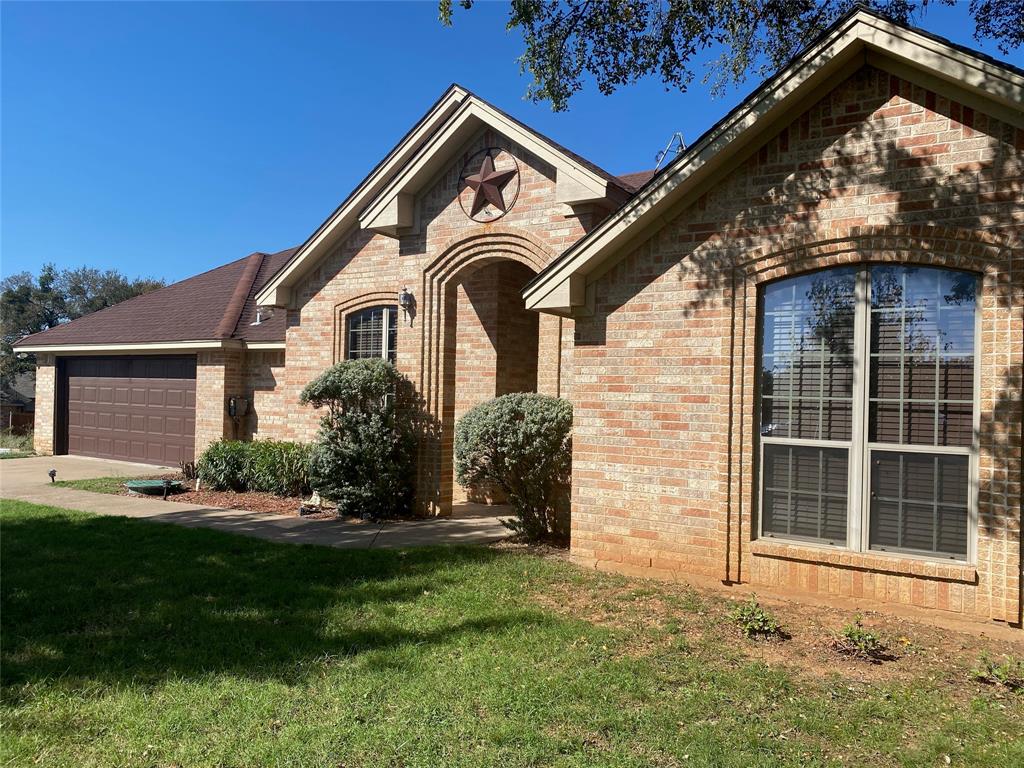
(233, 310)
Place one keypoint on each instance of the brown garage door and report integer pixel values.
(131, 408)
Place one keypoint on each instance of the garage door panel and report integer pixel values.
(139, 409)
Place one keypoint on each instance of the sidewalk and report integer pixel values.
(27, 480)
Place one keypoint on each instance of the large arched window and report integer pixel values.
(371, 332)
(867, 409)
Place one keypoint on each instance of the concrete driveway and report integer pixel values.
(27, 480)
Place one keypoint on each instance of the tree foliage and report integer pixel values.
(523, 444)
(29, 303)
(617, 42)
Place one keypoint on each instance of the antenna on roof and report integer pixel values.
(676, 145)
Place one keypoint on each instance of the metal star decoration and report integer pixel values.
(487, 186)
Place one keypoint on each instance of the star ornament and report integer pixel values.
(488, 186)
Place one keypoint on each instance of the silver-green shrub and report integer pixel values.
(523, 444)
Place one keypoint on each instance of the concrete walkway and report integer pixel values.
(27, 480)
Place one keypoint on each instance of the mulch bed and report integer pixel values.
(250, 501)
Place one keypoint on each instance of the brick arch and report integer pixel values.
(344, 308)
(974, 250)
(441, 272)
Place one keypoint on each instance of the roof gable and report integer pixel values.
(384, 201)
(857, 39)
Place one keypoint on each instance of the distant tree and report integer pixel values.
(617, 42)
(29, 304)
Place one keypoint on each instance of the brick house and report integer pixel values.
(795, 354)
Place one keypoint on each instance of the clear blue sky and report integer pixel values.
(166, 138)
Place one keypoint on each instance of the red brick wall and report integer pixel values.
(664, 372)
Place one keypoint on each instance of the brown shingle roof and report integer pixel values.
(633, 181)
(196, 309)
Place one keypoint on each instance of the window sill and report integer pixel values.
(904, 566)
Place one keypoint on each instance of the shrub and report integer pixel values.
(268, 466)
(278, 467)
(22, 443)
(856, 641)
(755, 620)
(363, 456)
(222, 465)
(522, 444)
(1008, 673)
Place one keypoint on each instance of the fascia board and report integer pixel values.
(275, 293)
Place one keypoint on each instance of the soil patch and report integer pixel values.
(662, 616)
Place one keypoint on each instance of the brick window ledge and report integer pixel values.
(904, 566)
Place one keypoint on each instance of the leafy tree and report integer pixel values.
(617, 42)
(29, 304)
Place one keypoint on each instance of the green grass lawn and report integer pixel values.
(16, 455)
(100, 484)
(129, 643)
(21, 445)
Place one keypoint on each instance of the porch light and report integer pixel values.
(407, 302)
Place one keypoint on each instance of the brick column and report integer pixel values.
(46, 387)
(219, 375)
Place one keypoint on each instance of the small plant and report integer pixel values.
(1008, 673)
(188, 470)
(860, 643)
(19, 443)
(278, 467)
(755, 621)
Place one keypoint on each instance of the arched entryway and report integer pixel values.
(479, 342)
(491, 341)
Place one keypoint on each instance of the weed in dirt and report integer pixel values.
(854, 640)
(756, 621)
(1008, 673)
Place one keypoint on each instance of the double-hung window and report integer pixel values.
(867, 409)
(372, 332)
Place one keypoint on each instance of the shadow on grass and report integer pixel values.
(112, 600)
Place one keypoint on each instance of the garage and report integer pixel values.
(128, 408)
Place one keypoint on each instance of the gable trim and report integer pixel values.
(561, 288)
(277, 290)
(393, 209)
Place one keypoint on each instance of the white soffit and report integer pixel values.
(861, 38)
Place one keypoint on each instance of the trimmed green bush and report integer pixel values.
(523, 444)
(363, 459)
(267, 466)
(222, 465)
(278, 467)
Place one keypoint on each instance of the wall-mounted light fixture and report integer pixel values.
(408, 303)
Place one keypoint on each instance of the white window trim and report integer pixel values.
(858, 516)
(385, 329)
